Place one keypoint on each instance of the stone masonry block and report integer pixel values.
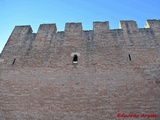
(99, 27)
(73, 29)
(128, 26)
(22, 30)
(152, 24)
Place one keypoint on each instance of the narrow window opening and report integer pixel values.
(130, 57)
(75, 59)
(13, 61)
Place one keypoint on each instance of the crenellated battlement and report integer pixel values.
(48, 44)
(126, 25)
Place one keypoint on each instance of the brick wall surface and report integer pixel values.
(118, 71)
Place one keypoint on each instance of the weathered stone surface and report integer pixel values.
(117, 71)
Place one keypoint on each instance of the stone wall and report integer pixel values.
(117, 71)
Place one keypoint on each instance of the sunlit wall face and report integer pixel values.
(36, 12)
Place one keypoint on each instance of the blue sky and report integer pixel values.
(36, 12)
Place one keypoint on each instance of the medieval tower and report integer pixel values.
(76, 74)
